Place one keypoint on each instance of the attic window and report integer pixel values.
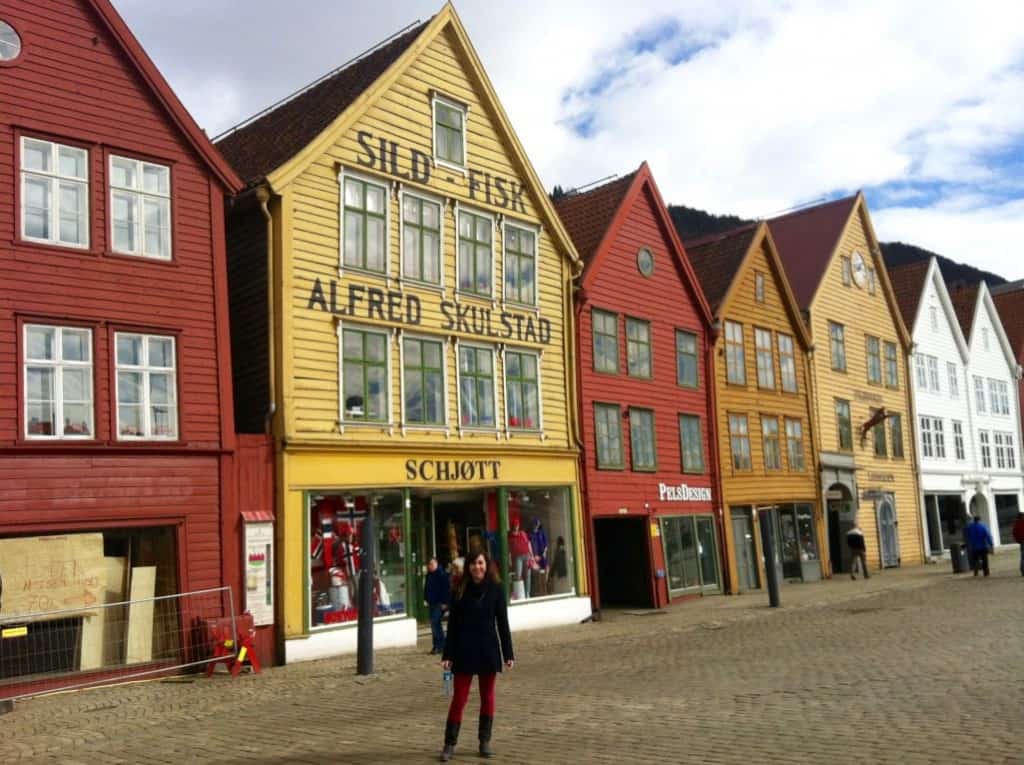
(449, 132)
(847, 271)
(759, 287)
(984, 338)
(934, 315)
(10, 42)
(872, 281)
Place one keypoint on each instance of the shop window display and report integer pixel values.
(539, 544)
(336, 524)
(691, 552)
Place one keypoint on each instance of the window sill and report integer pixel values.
(610, 373)
(464, 295)
(611, 468)
(444, 163)
(342, 268)
(54, 248)
(512, 305)
(640, 378)
(408, 281)
(645, 469)
(171, 261)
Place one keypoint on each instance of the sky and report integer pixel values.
(747, 108)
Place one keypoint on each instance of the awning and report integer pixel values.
(257, 516)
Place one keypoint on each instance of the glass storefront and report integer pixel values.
(1007, 507)
(540, 548)
(793, 529)
(691, 553)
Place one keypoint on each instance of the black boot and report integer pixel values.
(486, 726)
(451, 738)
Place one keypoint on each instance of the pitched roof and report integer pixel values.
(806, 240)
(165, 95)
(908, 284)
(1009, 300)
(717, 258)
(964, 301)
(587, 215)
(274, 136)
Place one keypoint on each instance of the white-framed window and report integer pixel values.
(54, 193)
(147, 386)
(1011, 451)
(997, 437)
(422, 238)
(940, 437)
(958, 440)
(476, 254)
(1006, 458)
(140, 208)
(759, 287)
(364, 223)
(735, 360)
(522, 390)
(1000, 396)
(58, 382)
(787, 363)
(933, 317)
(927, 443)
(986, 449)
(846, 270)
(449, 132)
(984, 338)
(920, 371)
(365, 364)
(423, 381)
(770, 443)
(953, 375)
(934, 383)
(979, 393)
(765, 359)
(795, 443)
(520, 264)
(739, 441)
(872, 281)
(476, 386)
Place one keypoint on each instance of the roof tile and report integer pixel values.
(964, 301)
(1009, 300)
(587, 215)
(717, 259)
(908, 284)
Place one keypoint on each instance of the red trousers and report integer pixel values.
(460, 695)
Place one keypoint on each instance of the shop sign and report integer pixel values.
(259, 579)
(396, 307)
(683, 493)
(867, 396)
(882, 477)
(452, 470)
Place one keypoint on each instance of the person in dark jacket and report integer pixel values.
(1018, 537)
(858, 551)
(436, 593)
(478, 643)
(979, 544)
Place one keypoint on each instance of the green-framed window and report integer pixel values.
(642, 439)
(423, 381)
(844, 425)
(687, 366)
(795, 443)
(476, 387)
(364, 218)
(449, 132)
(638, 347)
(739, 442)
(606, 340)
(608, 435)
(476, 257)
(735, 358)
(421, 239)
(520, 265)
(522, 388)
(364, 355)
(837, 340)
(874, 352)
(691, 440)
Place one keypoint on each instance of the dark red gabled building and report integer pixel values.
(648, 425)
(116, 426)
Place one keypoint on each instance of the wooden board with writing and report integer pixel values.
(51, 573)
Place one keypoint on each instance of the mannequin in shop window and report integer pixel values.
(521, 554)
(539, 547)
(559, 565)
(346, 555)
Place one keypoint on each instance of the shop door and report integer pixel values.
(790, 550)
(422, 550)
(887, 539)
(707, 554)
(623, 562)
(746, 552)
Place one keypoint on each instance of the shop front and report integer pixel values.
(521, 511)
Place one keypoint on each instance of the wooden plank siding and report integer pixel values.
(761, 486)
(77, 83)
(863, 314)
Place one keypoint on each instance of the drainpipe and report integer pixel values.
(263, 195)
(711, 340)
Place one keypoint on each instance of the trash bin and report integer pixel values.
(958, 557)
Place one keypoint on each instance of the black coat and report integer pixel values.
(478, 639)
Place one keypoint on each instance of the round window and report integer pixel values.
(10, 42)
(645, 261)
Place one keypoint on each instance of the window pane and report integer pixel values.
(431, 257)
(411, 253)
(72, 213)
(375, 196)
(411, 210)
(352, 390)
(130, 420)
(124, 172)
(72, 162)
(161, 389)
(37, 208)
(353, 254)
(40, 420)
(413, 396)
(129, 387)
(36, 155)
(353, 194)
(156, 179)
(40, 343)
(483, 269)
(375, 244)
(161, 352)
(125, 221)
(77, 419)
(157, 218)
(164, 421)
(39, 384)
(376, 347)
(129, 350)
(77, 385)
(433, 397)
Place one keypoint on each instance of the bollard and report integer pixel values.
(364, 637)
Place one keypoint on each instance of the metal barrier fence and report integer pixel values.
(73, 648)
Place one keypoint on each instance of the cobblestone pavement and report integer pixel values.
(911, 667)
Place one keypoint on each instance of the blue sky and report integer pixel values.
(739, 107)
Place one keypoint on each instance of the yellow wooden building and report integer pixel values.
(860, 380)
(763, 403)
(418, 364)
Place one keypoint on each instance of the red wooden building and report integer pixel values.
(648, 425)
(116, 428)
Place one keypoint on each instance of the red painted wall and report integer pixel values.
(73, 84)
(666, 300)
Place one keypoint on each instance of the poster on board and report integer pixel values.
(259, 572)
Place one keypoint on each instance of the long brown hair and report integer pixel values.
(491, 574)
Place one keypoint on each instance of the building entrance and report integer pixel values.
(840, 521)
(623, 562)
(945, 516)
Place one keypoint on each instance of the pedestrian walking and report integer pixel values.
(436, 593)
(858, 551)
(979, 544)
(478, 643)
(1018, 537)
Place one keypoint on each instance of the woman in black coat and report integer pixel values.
(478, 643)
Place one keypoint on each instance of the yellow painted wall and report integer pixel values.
(863, 314)
(760, 486)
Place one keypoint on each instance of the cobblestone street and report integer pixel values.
(912, 666)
